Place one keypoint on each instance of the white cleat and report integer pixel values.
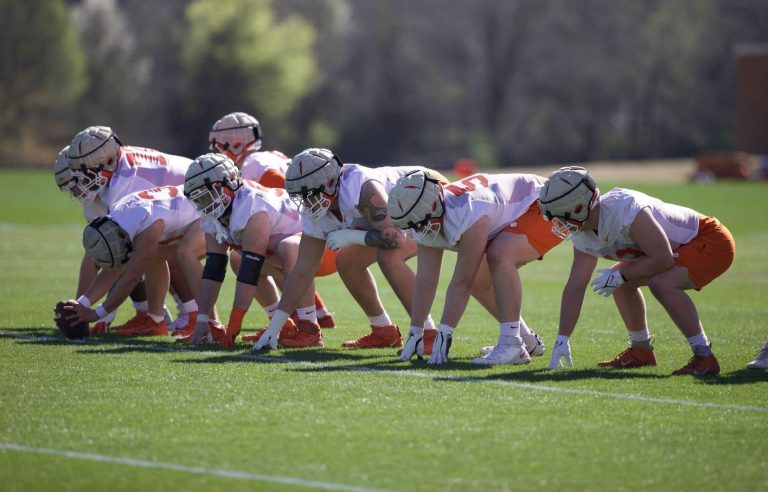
(761, 359)
(179, 322)
(533, 345)
(514, 354)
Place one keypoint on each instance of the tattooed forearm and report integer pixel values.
(386, 239)
(370, 208)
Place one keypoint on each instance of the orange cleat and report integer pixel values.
(139, 320)
(100, 327)
(306, 334)
(288, 330)
(380, 337)
(326, 321)
(632, 357)
(187, 329)
(699, 365)
(217, 333)
(150, 329)
(429, 339)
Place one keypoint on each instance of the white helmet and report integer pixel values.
(235, 133)
(65, 180)
(200, 181)
(416, 202)
(106, 242)
(569, 194)
(93, 156)
(312, 180)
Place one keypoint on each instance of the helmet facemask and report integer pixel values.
(566, 200)
(416, 204)
(235, 134)
(210, 184)
(313, 202)
(93, 156)
(212, 199)
(88, 184)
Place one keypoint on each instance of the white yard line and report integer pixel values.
(412, 373)
(200, 470)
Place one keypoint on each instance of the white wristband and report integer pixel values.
(202, 318)
(101, 312)
(84, 301)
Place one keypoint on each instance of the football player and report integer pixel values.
(239, 137)
(142, 231)
(107, 170)
(67, 183)
(264, 225)
(345, 206)
(483, 216)
(667, 247)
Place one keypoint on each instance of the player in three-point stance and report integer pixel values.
(667, 247)
(493, 216)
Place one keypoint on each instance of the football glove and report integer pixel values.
(608, 281)
(442, 345)
(345, 237)
(561, 350)
(414, 345)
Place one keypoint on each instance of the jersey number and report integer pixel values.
(469, 183)
(154, 193)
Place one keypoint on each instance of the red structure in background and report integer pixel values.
(752, 99)
(464, 167)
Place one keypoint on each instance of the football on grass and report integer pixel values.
(71, 330)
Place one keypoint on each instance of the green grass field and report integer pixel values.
(145, 414)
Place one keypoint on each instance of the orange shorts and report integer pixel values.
(536, 228)
(327, 264)
(709, 254)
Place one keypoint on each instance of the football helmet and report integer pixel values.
(568, 195)
(210, 184)
(416, 202)
(93, 156)
(312, 181)
(235, 133)
(106, 242)
(65, 180)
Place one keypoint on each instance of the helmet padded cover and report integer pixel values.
(106, 242)
(235, 132)
(568, 193)
(211, 168)
(313, 169)
(61, 171)
(416, 197)
(95, 148)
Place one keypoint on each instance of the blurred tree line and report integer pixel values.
(506, 82)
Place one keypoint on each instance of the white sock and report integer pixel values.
(429, 323)
(156, 318)
(700, 344)
(308, 313)
(142, 306)
(524, 330)
(322, 312)
(380, 320)
(509, 334)
(270, 310)
(188, 307)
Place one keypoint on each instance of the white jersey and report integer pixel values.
(618, 210)
(353, 176)
(141, 169)
(94, 209)
(251, 199)
(503, 198)
(257, 163)
(138, 211)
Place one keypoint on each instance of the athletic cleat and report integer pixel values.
(326, 321)
(288, 329)
(139, 320)
(179, 323)
(514, 354)
(217, 334)
(632, 357)
(150, 329)
(307, 334)
(533, 344)
(429, 339)
(699, 365)
(380, 337)
(100, 327)
(186, 329)
(761, 358)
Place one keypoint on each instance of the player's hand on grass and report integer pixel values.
(414, 345)
(77, 313)
(561, 350)
(442, 345)
(202, 332)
